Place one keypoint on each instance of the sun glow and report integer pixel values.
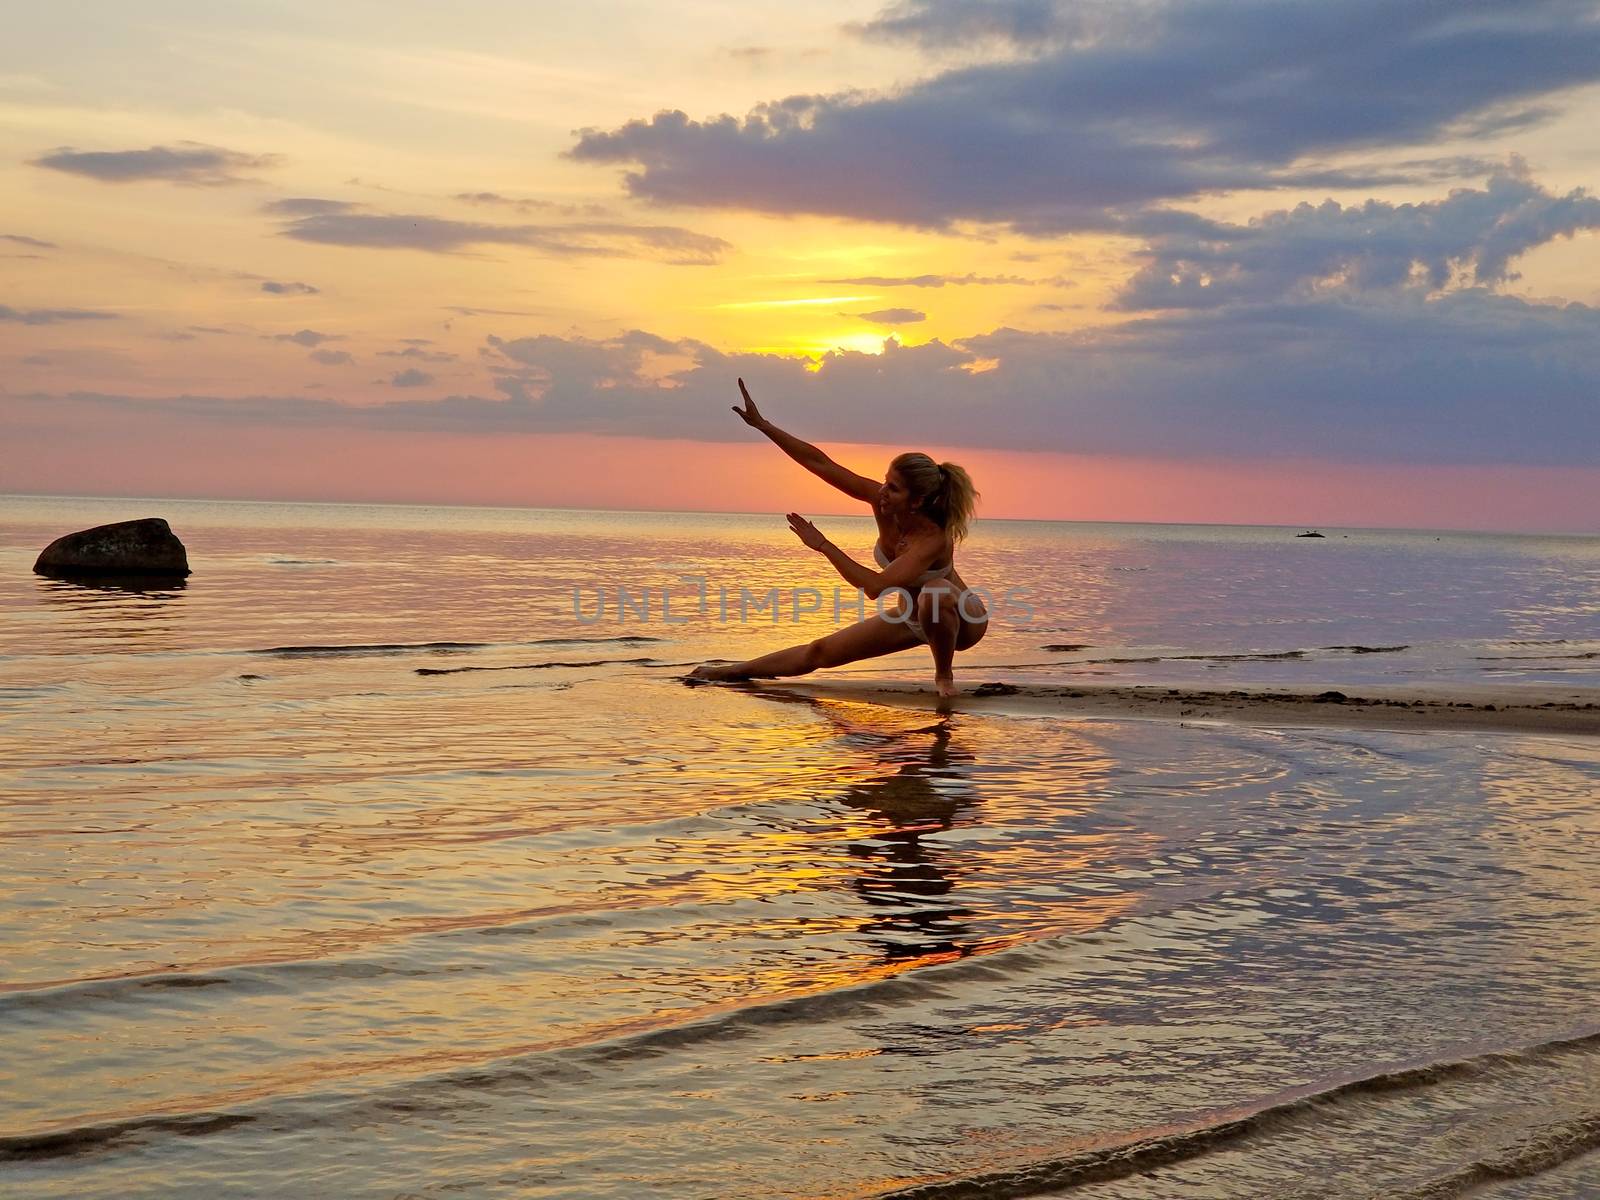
(860, 343)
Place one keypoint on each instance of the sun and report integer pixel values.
(861, 343)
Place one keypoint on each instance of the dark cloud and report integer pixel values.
(306, 337)
(307, 206)
(893, 316)
(1464, 377)
(1113, 113)
(20, 240)
(410, 377)
(437, 235)
(331, 358)
(191, 163)
(51, 316)
(931, 281)
(289, 289)
(1472, 236)
(937, 24)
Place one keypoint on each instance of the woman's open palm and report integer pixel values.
(806, 531)
(750, 414)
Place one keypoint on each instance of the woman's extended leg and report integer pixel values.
(865, 639)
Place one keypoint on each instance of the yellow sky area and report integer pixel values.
(167, 258)
(398, 116)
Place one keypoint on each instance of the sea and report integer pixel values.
(390, 856)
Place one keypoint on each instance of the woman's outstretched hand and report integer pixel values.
(807, 532)
(749, 414)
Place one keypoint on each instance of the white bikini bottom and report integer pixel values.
(915, 626)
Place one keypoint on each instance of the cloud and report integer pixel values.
(191, 163)
(20, 240)
(52, 316)
(1471, 236)
(937, 24)
(289, 289)
(307, 206)
(437, 235)
(433, 356)
(1467, 376)
(931, 281)
(331, 358)
(1121, 108)
(487, 312)
(893, 316)
(306, 337)
(1463, 377)
(495, 199)
(410, 377)
(210, 329)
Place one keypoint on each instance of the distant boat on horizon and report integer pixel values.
(1311, 533)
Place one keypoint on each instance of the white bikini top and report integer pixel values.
(922, 580)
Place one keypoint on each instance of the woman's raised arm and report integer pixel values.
(858, 487)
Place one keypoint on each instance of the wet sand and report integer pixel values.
(1552, 710)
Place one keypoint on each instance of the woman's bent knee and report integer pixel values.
(937, 607)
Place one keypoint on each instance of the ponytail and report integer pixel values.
(945, 491)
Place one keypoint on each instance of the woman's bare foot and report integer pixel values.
(945, 685)
(717, 672)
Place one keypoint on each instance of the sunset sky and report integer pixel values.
(1328, 262)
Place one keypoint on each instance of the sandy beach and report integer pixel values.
(1551, 710)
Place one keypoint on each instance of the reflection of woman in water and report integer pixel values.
(922, 509)
(911, 782)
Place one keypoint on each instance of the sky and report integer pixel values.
(1307, 262)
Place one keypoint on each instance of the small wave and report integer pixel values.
(359, 648)
(593, 662)
(356, 649)
(85, 1138)
(304, 562)
(1066, 647)
(566, 1059)
(1262, 656)
(597, 641)
(112, 989)
(1546, 1147)
(1369, 649)
(1535, 657)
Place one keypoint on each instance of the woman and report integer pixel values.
(922, 509)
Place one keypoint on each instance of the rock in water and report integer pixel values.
(143, 547)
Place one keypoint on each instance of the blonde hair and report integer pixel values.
(943, 491)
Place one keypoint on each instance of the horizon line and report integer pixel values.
(715, 512)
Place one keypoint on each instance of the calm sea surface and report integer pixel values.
(388, 858)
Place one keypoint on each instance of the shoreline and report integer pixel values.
(1544, 709)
